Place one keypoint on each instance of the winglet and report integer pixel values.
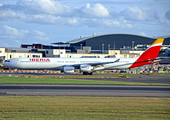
(116, 60)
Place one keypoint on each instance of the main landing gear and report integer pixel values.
(16, 71)
(87, 73)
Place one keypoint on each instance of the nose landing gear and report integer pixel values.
(16, 71)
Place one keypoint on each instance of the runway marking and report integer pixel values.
(23, 88)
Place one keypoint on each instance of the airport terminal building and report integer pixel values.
(113, 42)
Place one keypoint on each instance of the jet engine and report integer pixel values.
(86, 68)
(69, 69)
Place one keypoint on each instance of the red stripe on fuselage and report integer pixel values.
(149, 54)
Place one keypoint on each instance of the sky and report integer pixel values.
(50, 21)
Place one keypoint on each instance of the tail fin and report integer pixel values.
(149, 55)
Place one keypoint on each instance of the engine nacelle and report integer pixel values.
(85, 68)
(69, 69)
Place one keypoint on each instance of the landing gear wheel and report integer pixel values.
(91, 73)
(87, 73)
(84, 73)
(16, 71)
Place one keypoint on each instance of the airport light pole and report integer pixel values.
(59, 49)
(103, 48)
(114, 47)
(81, 46)
(108, 48)
(133, 46)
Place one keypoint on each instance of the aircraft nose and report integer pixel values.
(3, 64)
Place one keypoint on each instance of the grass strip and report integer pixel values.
(86, 108)
(161, 74)
(21, 80)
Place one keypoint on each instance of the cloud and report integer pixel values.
(135, 13)
(97, 10)
(36, 32)
(8, 33)
(6, 30)
(8, 15)
(51, 12)
(39, 35)
(148, 15)
(167, 15)
(142, 33)
(55, 8)
(41, 6)
(108, 23)
(17, 41)
(50, 19)
(4, 44)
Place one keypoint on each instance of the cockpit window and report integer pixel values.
(7, 61)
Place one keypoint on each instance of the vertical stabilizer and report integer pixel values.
(149, 55)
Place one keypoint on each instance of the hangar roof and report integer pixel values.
(85, 38)
(165, 36)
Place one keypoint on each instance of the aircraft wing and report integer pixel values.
(102, 63)
(95, 64)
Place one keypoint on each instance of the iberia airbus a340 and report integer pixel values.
(87, 65)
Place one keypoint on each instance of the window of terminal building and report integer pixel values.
(10, 56)
(46, 52)
(0, 51)
(28, 56)
(131, 56)
(125, 56)
(35, 56)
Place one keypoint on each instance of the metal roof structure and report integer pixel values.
(114, 41)
(85, 38)
(165, 36)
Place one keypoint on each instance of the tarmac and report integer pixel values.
(84, 90)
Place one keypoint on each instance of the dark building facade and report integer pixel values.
(103, 43)
(113, 41)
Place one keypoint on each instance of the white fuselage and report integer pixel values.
(58, 63)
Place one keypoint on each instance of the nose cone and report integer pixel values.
(6, 63)
(11, 63)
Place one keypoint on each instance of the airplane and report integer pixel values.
(87, 65)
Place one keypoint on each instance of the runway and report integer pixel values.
(84, 90)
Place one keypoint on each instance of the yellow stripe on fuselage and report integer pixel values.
(158, 41)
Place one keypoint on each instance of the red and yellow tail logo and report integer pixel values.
(149, 55)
